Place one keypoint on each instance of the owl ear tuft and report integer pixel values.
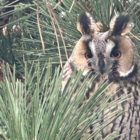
(87, 25)
(84, 22)
(121, 24)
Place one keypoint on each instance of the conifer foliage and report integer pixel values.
(35, 42)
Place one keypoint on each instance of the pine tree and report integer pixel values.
(38, 39)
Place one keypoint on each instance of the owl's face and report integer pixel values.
(107, 53)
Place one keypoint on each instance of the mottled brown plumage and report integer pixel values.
(114, 57)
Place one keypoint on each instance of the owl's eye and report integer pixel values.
(116, 54)
(88, 55)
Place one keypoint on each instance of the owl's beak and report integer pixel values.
(101, 64)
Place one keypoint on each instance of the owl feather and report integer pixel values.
(114, 57)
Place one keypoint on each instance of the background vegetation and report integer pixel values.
(34, 107)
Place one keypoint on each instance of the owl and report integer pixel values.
(114, 56)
